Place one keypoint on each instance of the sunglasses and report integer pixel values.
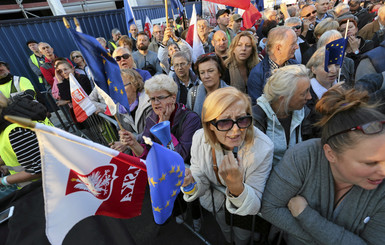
(76, 56)
(296, 27)
(367, 128)
(308, 15)
(227, 124)
(124, 56)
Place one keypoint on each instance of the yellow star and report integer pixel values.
(342, 46)
(174, 193)
(180, 175)
(172, 170)
(163, 178)
(109, 82)
(332, 45)
(178, 169)
(168, 203)
(104, 61)
(157, 209)
(336, 58)
(337, 44)
(121, 92)
(330, 61)
(340, 55)
(151, 180)
(116, 89)
(179, 183)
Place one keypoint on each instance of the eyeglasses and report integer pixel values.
(308, 15)
(124, 56)
(125, 85)
(367, 128)
(76, 56)
(159, 98)
(181, 65)
(227, 124)
(296, 27)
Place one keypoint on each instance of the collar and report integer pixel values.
(318, 89)
(273, 65)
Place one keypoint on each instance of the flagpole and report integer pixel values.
(25, 122)
(166, 8)
(346, 34)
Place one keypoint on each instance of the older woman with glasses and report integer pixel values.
(231, 153)
(210, 69)
(124, 59)
(280, 112)
(331, 190)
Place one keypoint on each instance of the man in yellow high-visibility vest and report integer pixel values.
(35, 61)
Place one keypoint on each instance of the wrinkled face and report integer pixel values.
(301, 94)
(3, 71)
(220, 42)
(202, 29)
(133, 30)
(289, 46)
(235, 136)
(45, 49)
(181, 66)
(142, 42)
(363, 164)
(209, 74)
(322, 6)
(224, 19)
(323, 77)
(243, 49)
(352, 29)
(158, 33)
(33, 47)
(124, 63)
(160, 100)
(309, 13)
(116, 36)
(64, 70)
(172, 49)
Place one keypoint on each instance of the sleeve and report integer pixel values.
(64, 90)
(146, 75)
(97, 100)
(163, 58)
(254, 84)
(159, 69)
(185, 47)
(25, 84)
(26, 147)
(85, 83)
(365, 67)
(47, 75)
(34, 68)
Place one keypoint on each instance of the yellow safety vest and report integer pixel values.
(21, 83)
(36, 63)
(113, 44)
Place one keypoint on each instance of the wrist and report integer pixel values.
(236, 191)
(4, 181)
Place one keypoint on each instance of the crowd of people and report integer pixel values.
(261, 113)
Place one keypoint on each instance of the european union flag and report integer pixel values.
(334, 52)
(104, 68)
(165, 171)
(130, 18)
(176, 4)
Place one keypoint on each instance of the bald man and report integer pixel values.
(220, 43)
(157, 38)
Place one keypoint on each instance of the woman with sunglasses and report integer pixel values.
(210, 69)
(231, 153)
(280, 112)
(81, 66)
(331, 190)
(124, 59)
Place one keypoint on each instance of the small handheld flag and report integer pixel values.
(334, 52)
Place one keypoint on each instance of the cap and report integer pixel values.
(236, 17)
(222, 11)
(31, 41)
(4, 63)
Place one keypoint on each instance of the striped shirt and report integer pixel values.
(26, 147)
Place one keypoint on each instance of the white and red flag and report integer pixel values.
(82, 178)
(192, 36)
(148, 27)
(82, 105)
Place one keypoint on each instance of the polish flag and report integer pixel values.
(111, 106)
(82, 178)
(148, 27)
(192, 36)
(82, 105)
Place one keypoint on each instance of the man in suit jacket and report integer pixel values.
(367, 32)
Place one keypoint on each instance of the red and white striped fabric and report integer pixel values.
(148, 27)
(192, 36)
(82, 105)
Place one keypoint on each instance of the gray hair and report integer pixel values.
(119, 49)
(159, 83)
(181, 54)
(267, 12)
(283, 82)
(115, 31)
(327, 37)
(276, 36)
(101, 39)
(292, 21)
(341, 8)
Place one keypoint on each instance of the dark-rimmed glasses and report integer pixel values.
(228, 124)
(296, 27)
(367, 128)
(308, 15)
(159, 98)
(76, 56)
(124, 56)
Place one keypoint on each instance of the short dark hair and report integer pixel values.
(210, 56)
(143, 34)
(31, 41)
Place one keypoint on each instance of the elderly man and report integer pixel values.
(220, 44)
(113, 42)
(184, 75)
(281, 47)
(322, 8)
(144, 58)
(223, 20)
(36, 59)
(134, 35)
(11, 85)
(203, 30)
(367, 32)
(295, 23)
(124, 59)
(308, 15)
(157, 33)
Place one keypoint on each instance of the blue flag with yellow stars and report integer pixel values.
(104, 68)
(165, 171)
(176, 4)
(335, 52)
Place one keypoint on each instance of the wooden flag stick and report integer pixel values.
(120, 125)
(346, 33)
(66, 23)
(25, 122)
(166, 8)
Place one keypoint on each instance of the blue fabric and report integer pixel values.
(130, 19)
(144, 74)
(165, 170)
(335, 52)
(104, 68)
(176, 4)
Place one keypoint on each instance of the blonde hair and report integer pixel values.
(252, 60)
(159, 83)
(134, 77)
(317, 59)
(325, 25)
(215, 104)
(328, 37)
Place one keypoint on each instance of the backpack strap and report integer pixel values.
(215, 165)
(194, 92)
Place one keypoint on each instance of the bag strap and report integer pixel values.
(215, 166)
(194, 93)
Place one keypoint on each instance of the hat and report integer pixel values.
(236, 17)
(31, 41)
(4, 63)
(222, 11)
